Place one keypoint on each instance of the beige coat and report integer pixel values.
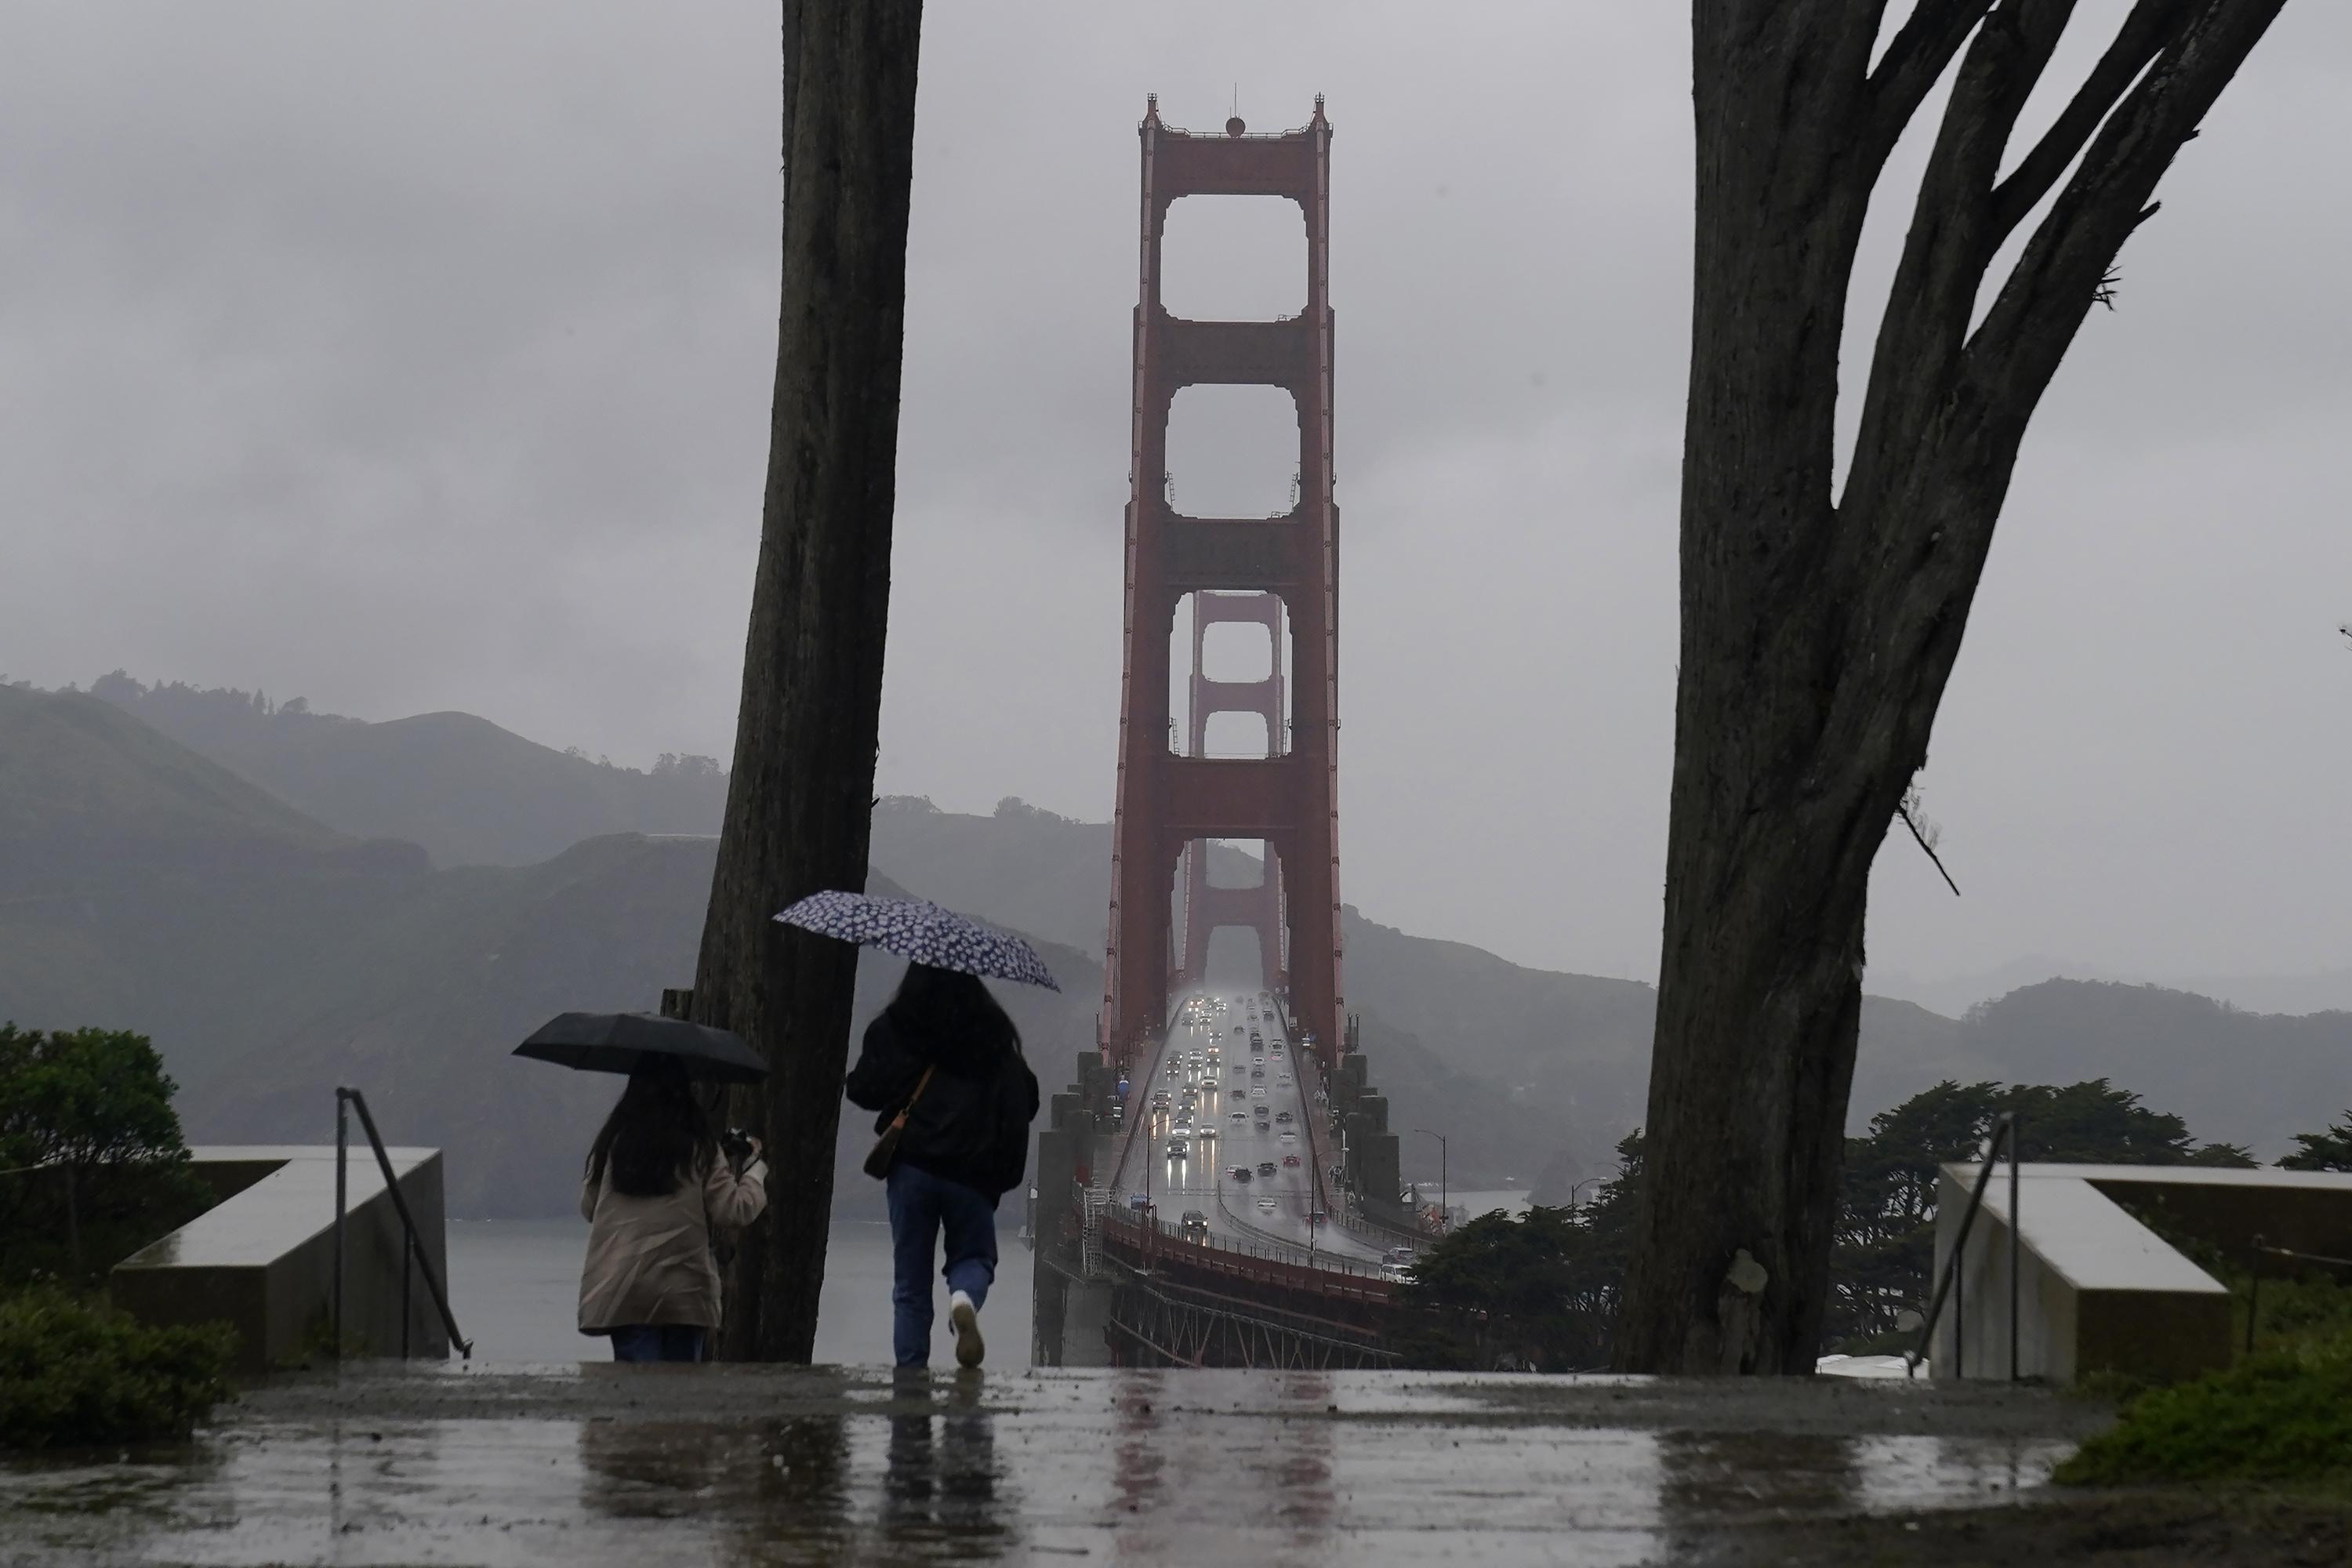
(649, 1259)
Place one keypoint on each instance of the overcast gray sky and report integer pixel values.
(418, 357)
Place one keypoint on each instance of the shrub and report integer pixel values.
(74, 1374)
(2283, 1416)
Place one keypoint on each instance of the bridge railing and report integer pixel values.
(1152, 1236)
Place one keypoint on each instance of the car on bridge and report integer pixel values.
(1284, 1116)
(1239, 1173)
(1259, 1092)
(1265, 1167)
(1207, 1131)
(1195, 1225)
(1240, 1116)
(1266, 1206)
(1290, 1161)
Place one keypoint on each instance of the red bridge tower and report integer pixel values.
(1259, 570)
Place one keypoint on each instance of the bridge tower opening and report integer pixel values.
(1278, 572)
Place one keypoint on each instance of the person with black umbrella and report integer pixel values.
(658, 1186)
(659, 1182)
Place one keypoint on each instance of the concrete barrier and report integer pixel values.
(262, 1261)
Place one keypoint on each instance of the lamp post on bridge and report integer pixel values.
(1445, 1212)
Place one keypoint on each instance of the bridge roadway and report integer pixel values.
(1268, 1208)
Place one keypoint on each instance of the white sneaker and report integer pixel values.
(965, 1318)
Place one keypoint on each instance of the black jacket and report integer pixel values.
(972, 1123)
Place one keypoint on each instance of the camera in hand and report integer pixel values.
(736, 1144)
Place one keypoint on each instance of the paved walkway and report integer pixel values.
(603, 1465)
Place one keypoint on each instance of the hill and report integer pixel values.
(273, 954)
(422, 1007)
(468, 792)
(76, 771)
(2237, 1077)
(272, 958)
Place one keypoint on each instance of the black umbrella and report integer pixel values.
(620, 1042)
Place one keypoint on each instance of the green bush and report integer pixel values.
(2282, 1416)
(75, 1375)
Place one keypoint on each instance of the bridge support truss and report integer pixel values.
(1263, 570)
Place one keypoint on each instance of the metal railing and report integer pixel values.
(412, 1255)
(1948, 1283)
(1155, 1237)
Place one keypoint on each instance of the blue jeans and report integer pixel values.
(922, 1205)
(657, 1342)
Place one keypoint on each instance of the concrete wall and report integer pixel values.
(2098, 1290)
(263, 1260)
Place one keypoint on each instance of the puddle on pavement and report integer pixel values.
(1145, 1464)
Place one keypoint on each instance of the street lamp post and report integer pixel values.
(1444, 1211)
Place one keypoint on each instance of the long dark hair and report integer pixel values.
(951, 1017)
(657, 1137)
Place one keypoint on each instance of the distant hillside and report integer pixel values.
(75, 771)
(1528, 1064)
(271, 959)
(471, 792)
(1544, 1067)
(2236, 1077)
(424, 1006)
(273, 954)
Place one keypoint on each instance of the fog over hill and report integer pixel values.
(273, 952)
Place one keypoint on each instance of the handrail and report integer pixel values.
(412, 1248)
(2256, 1253)
(2005, 1126)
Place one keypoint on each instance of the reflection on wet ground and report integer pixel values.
(753, 1467)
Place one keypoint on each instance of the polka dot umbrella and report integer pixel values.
(921, 932)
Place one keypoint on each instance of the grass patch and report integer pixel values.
(2282, 1416)
(77, 1374)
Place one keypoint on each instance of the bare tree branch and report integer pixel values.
(1925, 834)
(1951, 241)
(2032, 323)
(2133, 45)
(1917, 56)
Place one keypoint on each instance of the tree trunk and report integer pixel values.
(1818, 631)
(800, 800)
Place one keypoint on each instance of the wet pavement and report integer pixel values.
(639, 1466)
